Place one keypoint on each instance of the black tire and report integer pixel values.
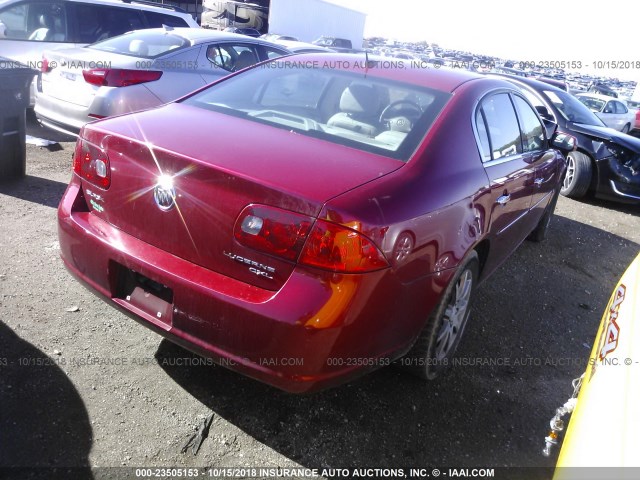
(578, 176)
(540, 232)
(429, 356)
(626, 128)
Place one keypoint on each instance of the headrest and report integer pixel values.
(138, 47)
(360, 98)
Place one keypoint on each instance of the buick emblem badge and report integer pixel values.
(165, 196)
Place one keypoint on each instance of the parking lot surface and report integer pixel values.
(83, 385)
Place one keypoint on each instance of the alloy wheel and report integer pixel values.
(454, 316)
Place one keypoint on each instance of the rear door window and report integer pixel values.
(620, 108)
(502, 126)
(532, 129)
(609, 108)
(37, 21)
(232, 57)
(95, 23)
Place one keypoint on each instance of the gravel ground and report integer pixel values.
(91, 387)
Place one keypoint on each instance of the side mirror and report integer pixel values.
(544, 113)
(550, 127)
(564, 142)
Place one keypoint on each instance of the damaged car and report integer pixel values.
(303, 226)
(606, 162)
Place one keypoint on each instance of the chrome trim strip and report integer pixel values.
(618, 192)
(540, 201)
(512, 223)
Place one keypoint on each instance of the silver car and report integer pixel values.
(30, 27)
(612, 111)
(138, 70)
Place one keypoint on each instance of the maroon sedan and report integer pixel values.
(313, 217)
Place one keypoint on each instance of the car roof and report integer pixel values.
(204, 35)
(395, 69)
(532, 83)
(141, 5)
(599, 96)
(294, 45)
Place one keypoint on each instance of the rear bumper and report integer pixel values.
(317, 331)
(63, 117)
(69, 118)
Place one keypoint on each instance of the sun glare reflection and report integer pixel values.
(164, 180)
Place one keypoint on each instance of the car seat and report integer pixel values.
(244, 60)
(359, 105)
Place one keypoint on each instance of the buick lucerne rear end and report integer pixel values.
(311, 218)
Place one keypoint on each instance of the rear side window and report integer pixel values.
(37, 21)
(95, 23)
(157, 20)
(232, 57)
(502, 126)
(483, 136)
(273, 53)
(532, 129)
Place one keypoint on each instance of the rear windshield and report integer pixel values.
(349, 108)
(144, 44)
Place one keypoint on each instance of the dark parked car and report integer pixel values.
(338, 44)
(305, 225)
(606, 163)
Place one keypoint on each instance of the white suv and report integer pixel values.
(29, 27)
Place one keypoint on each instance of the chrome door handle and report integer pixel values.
(538, 181)
(503, 199)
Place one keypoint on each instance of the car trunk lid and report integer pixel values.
(64, 79)
(218, 164)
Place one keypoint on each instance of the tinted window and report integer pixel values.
(96, 23)
(620, 108)
(532, 129)
(273, 53)
(156, 20)
(295, 90)
(232, 57)
(502, 124)
(37, 21)
(481, 128)
(328, 104)
(609, 108)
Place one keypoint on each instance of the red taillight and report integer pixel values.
(272, 230)
(293, 236)
(341, 249)
(44, 65)
(116, 77)
(91, 163)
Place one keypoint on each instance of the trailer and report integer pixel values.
(219, 15)
(309, 20)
